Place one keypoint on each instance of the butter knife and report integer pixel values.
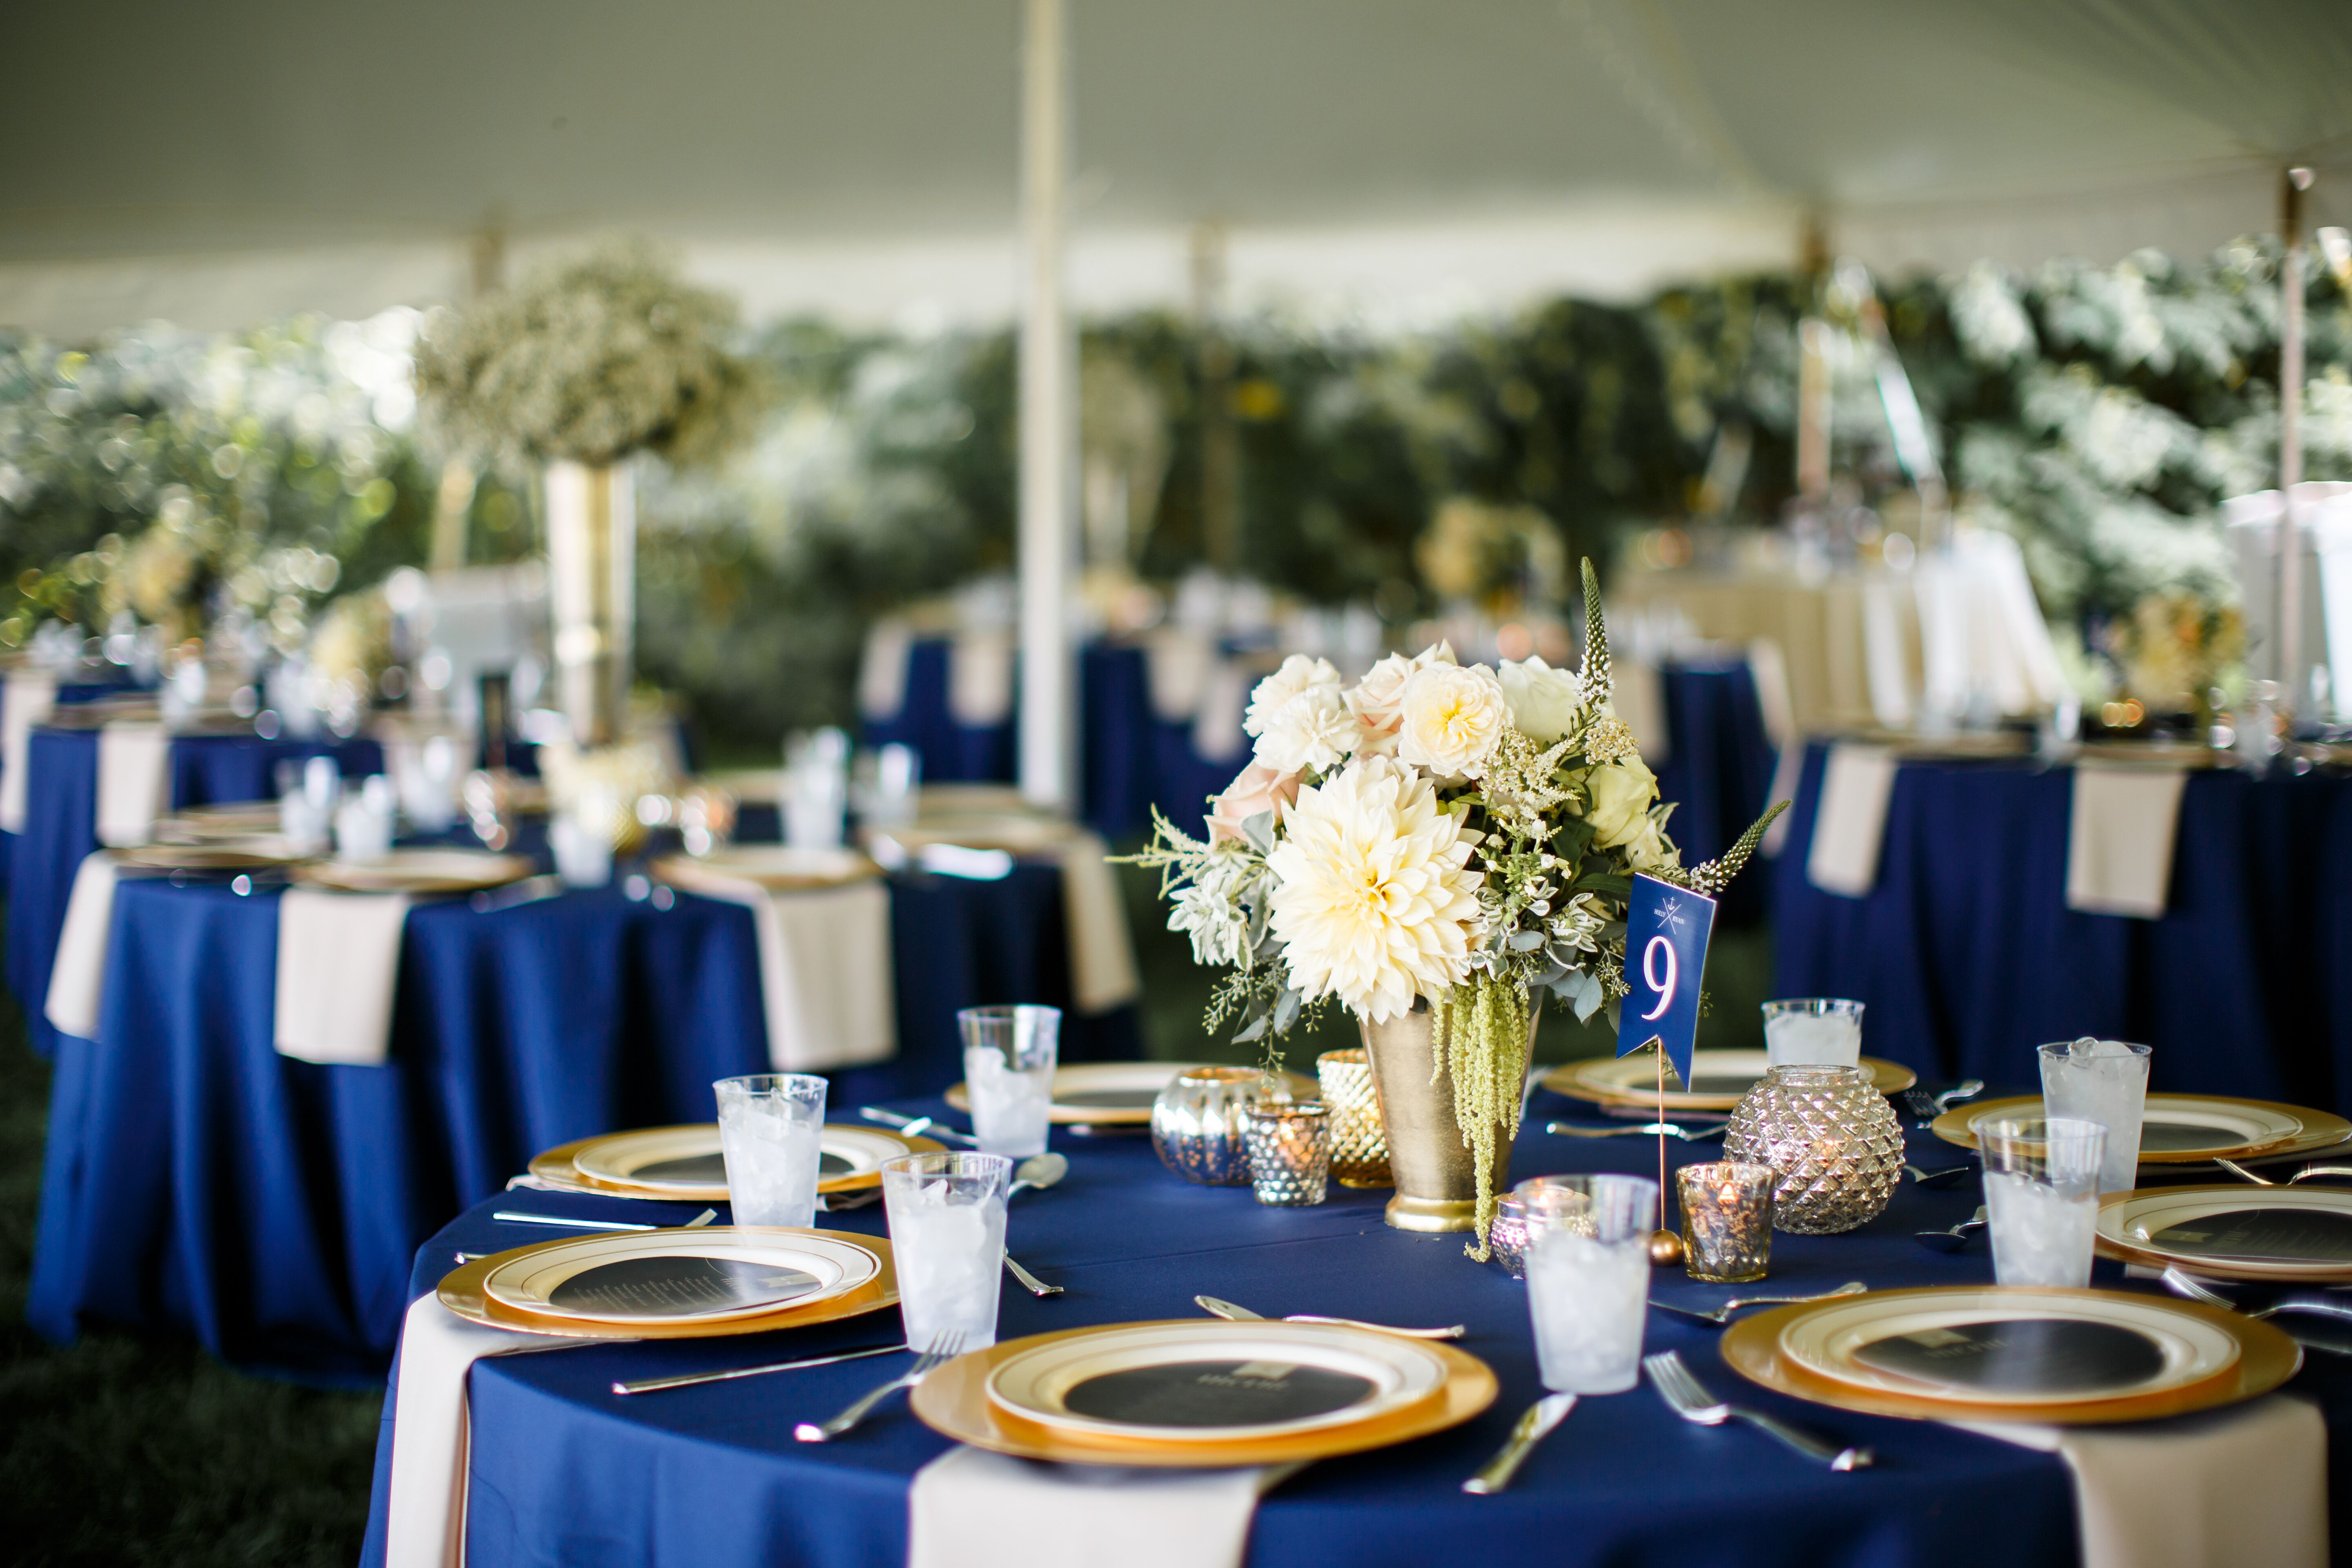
(1533, 1427)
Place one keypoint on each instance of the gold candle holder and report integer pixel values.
(1360, 1141)
(1726, 1220)
(1290, 1146)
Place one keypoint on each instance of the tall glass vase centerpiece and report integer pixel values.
(573, 374)
(1437, 849)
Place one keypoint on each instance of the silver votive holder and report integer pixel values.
(1726, 1220)
(1507, 1238)
(1290, 1146)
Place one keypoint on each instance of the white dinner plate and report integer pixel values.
(2204, 1238)
(681, 1276)
(689, 1161)
(420, 871)
(2187, 1349)
(1215, 1381)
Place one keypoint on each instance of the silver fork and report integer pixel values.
(1921, 1104)
(945, 1348)
(1721, 1315)
(2185, 1285)
(2311, 1172)
(1688, 1398)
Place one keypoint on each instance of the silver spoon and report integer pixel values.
(2181, 1284)
(1645, 1130)
(1954, 1239)
(1038, 1171)
(1967, 1089)
(1944, 1177)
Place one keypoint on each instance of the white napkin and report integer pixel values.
(1850, 820)
(1885, 665)
(25, 701)
(824, 971)
(77, 976)
(969, 1508)
(338, 970)
(2119, 835)
(882, 675)
(980, 678)
(134, 760)
(2240, 1486)
(424, 1520)
(1639, 696)
(1102, 951)
(1178, 664)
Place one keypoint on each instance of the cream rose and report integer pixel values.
(1298, 673)
(1545, 702)
(1378, 700)
(1451, 718)
(1620, 795)
(1313, 731)
(1258, 788)
(1648, 850)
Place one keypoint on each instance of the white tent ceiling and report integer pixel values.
(246, 157)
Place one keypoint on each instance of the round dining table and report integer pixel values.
(565, 1470)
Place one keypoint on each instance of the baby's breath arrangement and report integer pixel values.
(1460, 836)
(590, 360)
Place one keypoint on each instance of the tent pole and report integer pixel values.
(1048, 417)
(2289, 661)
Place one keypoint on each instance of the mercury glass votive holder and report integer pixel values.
(1360, 1141)
(1726, 1220)
(1289, 1145)
(1507, 1238)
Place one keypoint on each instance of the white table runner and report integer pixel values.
(26, 699)
(338, 973)
(425, 1514)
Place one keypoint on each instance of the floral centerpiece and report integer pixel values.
(1442, 839)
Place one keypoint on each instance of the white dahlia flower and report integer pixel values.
(1374, 900)
(1452, 718)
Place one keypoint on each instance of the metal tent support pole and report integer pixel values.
(1048, 419)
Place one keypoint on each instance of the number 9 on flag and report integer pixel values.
(1669, 928)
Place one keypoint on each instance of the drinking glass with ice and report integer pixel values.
(946, 1214)
(1588, 1262)
(1813, 1031)
(2041, 1192)
(1008, 1068)
(2103, 1081)
(772, 1130)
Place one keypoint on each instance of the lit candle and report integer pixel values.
(1289, 1145)
(1726, 1220)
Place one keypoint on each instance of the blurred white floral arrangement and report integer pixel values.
(1456, 835)
(589, 360)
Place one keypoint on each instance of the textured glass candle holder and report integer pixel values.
(1832, 1140)
(1726, 1220)
(1507, 1238)
(1196, 1123)
(1289, 1151)
(1359, 1143)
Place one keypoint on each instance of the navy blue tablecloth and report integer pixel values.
(62, 828)
(198, 1180)
(1717, 771)
(565, 1472)
(69, 693)
(1968, 958)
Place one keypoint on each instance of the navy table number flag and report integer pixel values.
(1667, 933)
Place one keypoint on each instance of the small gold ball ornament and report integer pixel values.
(1665, 1249)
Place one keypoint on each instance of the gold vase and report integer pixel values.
(592, 553)
(1436, 1180)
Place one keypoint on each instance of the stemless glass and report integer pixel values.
(1008, 1070)
(2041, 1195)
(2103, 1081)
(772, 1131)
(1587, 1266)
(946, 1214)
(1813, 1031)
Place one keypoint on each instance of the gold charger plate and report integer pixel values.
(259, 854)
(1621, 1081)
(2248, 1271)
(2319, 1129)
(776, 868)
(2266, 1358)
(953, 1401)
(1072, 1084)
(558, 1167)
(419, 872)
(461, 1291)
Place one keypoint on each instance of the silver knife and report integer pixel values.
(1533, 1427)
(1217, 1307)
